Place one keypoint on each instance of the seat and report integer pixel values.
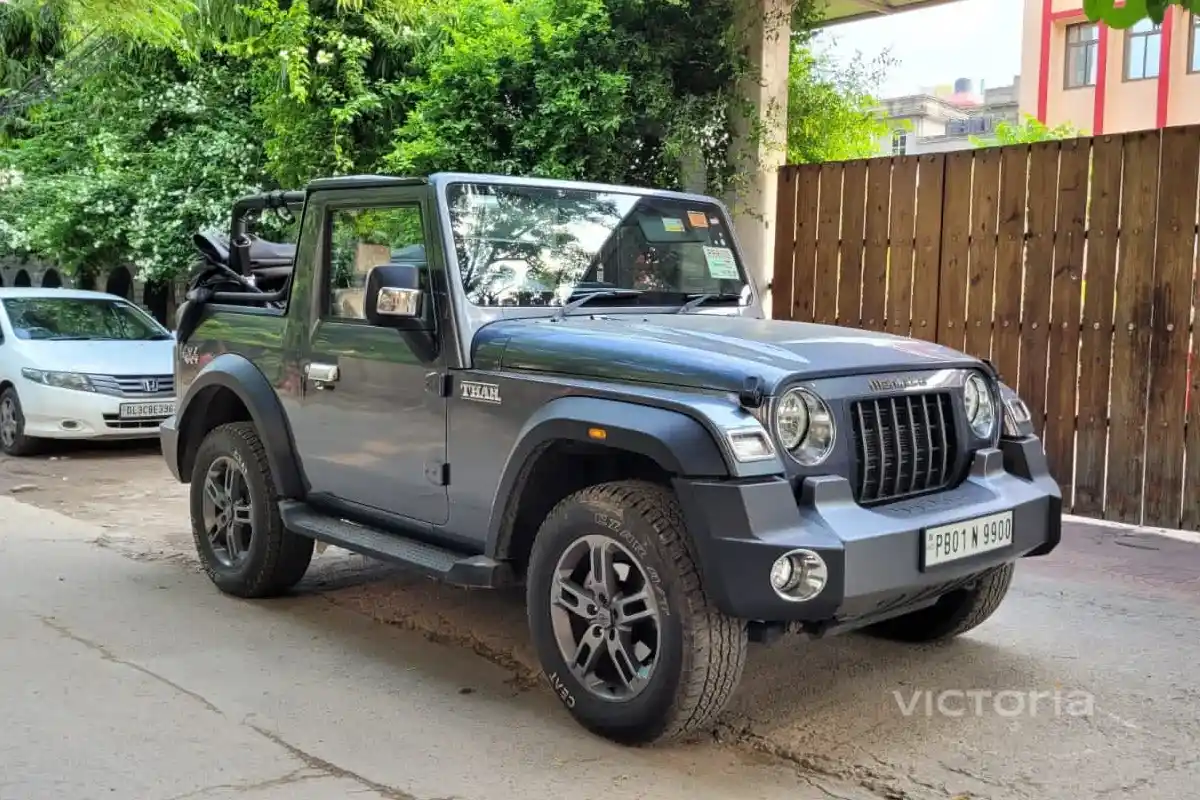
(270, 262)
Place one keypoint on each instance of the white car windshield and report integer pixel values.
(540, 245)
(80, 318)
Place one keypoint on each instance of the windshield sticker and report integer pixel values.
(672, 225)
(697, 219)
(721, 263)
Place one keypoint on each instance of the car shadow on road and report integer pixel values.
(838, 706)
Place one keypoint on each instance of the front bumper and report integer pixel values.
(873, 554)
(55, 413)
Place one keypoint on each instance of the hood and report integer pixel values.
(106, 357)
(704, 351)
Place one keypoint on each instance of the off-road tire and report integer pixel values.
(276, 558)
(954, 613)
(22, 445)
(702, 651)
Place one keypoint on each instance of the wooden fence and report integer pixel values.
(1069, 264)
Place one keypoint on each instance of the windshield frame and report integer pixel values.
(116, 300)
(480, 314)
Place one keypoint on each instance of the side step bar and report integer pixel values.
(445, 565)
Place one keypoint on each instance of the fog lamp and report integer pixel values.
(799, 575)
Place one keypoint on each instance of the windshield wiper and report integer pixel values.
(586, 298)
(700, 299)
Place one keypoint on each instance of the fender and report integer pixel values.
(673, 440)
(239, 375)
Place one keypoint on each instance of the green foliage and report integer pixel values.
(832, 115)
(194, 102)
(128, 165)
(1130, 12)
(1030, 130)
(158, 22)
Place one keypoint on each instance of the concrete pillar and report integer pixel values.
(760, 142)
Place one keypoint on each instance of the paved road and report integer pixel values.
(131, 651)
(127, 679)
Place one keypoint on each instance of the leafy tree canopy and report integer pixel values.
(132, 123)
(1128, 13)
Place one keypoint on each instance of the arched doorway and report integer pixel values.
(120, 283)
(51, 279)
(22, 279)
(156, 296)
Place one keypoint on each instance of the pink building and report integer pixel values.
(1103, 80)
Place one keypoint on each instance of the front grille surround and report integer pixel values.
(132, 385)
(904, 445)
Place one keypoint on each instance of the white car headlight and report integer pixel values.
(981, 406)
(60, 380)
(804, 426)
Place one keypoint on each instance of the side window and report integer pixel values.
(363, 238)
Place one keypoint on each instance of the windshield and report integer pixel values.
(73, 318)
(533, 246)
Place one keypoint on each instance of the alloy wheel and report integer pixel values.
(228, 511)
(606, 617)
(8, 422)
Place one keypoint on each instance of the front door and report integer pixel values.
(371, 428)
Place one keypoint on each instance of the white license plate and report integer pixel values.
(146, 410)
(967, 538)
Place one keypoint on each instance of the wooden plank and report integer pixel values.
(1039, 269)
(900, 245)
(927, 258)
(1010, 263)
(956, 237)
(1070, 228)
(1096, 335)
(854, 207)
(981, 266)
(804, 260)
(1174, 258)
(785, 245)
(875, 256)
(1191, 497)
(1131, 320)
(829, 226)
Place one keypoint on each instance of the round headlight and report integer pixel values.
(791, 420)
(980, 406)
(804, 425)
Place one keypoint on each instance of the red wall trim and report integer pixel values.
(1043, 78)
(1101, 81)
(1070, 13)
(1164, 68)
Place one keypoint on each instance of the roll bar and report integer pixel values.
(239, 242)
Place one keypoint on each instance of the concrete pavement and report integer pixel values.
(135, 680)
(132, 650)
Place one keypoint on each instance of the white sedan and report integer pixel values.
(80, 365)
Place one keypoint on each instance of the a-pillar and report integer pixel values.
(759, 146)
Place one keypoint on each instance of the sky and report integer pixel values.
(977, 39)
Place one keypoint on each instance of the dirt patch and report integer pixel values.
(124, 487)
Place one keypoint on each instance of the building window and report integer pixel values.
(1083, 43)
(1193, 52)
(899, 142)
(1143, 51)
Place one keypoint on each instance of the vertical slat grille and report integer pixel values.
(904, 444)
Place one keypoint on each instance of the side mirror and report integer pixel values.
(394, 298)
